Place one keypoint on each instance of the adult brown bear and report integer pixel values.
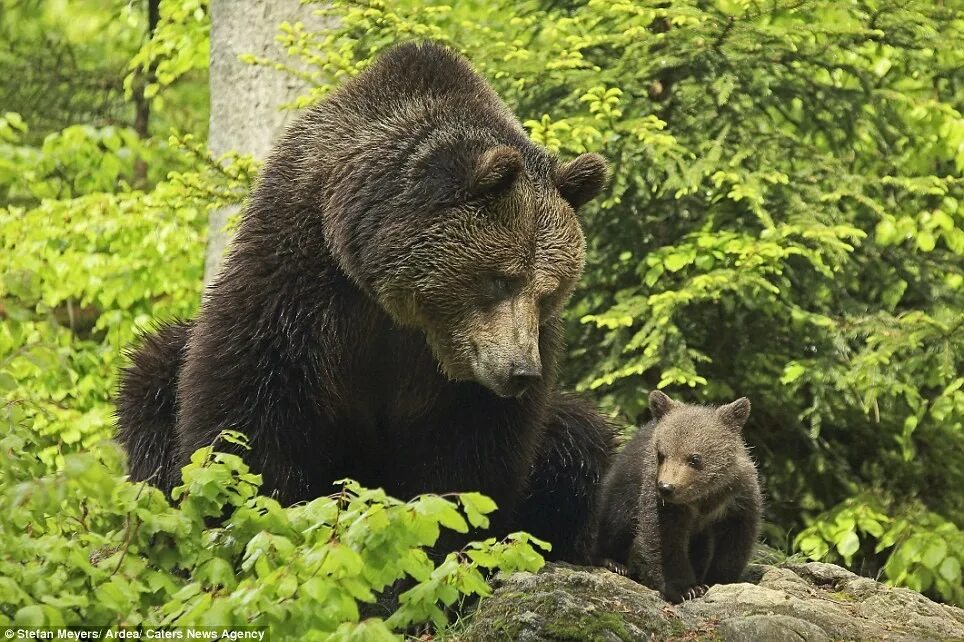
(389, 311)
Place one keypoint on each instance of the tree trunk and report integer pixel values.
(142, 104)
(246, 114)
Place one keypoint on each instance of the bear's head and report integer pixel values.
(493, 267)
(696, 448)
(476, 244)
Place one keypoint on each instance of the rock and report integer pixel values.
(773, 628)
(791, 602)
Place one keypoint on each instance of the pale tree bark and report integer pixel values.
(246, 100)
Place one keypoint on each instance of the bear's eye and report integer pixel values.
(660, 456)
(695, 461)
(498, 287)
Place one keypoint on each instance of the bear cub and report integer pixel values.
(681, 504)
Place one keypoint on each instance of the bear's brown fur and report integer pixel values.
(389, 310)
(680, 508)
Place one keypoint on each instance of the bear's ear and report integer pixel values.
(581, 179)
(734, 415)
(660, 403)
(495, 171)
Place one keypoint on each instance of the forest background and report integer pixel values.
(784, 221)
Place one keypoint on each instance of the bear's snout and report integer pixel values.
(505, 347)
(523, 374)
(508, 377)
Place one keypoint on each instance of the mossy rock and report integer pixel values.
(783, 602)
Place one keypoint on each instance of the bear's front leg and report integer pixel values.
(615, 567)
(735, 537)
(646, 553)
(561, 506)
(675, 533)
(702, 545)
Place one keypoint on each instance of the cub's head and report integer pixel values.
(482, 252)
(696, 447)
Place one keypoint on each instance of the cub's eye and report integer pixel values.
(660, 457)
(695, 461)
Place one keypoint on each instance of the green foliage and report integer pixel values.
(86, 547)
(62, 61)
(69, 62)
(784, 221)
(179, 45)
(924, 551)
(101, 228)
(77, 160)
(84, 272)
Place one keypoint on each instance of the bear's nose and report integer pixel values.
(523, 375)
(665, 489)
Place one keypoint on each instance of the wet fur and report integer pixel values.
(681, 548)
(332, 336)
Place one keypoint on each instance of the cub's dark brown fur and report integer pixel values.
(389, 310)
(680, 508)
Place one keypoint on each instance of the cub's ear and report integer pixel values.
(735, 414)
(495, 170)
(581, 179)
(660, 403)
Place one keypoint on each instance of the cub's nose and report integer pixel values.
(522, 376)
(665, 489)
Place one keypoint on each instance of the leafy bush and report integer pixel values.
(83, 272)
(924, 551)
(83, 546)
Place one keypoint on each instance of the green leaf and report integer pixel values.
(793, 371)
(934, 553)
(676, 262)
(926, 241)
(950, 570)
(848, 544)
(886, 232)
(477, 506)
(29, 616)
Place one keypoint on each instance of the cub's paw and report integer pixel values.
(615, 567)
(677, 594)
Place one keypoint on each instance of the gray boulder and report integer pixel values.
(791, 602)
